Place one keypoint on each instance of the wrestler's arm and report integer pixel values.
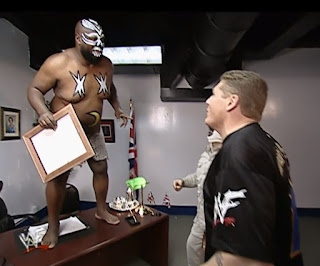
(221, 258)
(114, 101)
(44, 80)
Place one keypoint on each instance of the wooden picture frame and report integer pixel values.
(57, 151)
(107, 126)
(10, 123)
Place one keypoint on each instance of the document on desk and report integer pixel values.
(67, 226)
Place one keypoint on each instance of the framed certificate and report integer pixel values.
(57, 151)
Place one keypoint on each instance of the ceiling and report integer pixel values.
(197, 46)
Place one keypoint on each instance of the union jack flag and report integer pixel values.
(133, 166)
(151, 198)
(166, 201)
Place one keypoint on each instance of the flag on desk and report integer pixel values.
(133, 166)
(151, 198)
(166, 201)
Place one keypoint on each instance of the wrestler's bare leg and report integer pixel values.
(100, 186)
(55, 193)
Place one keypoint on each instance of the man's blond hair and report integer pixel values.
(251, 89)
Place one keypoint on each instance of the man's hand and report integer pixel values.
(178, 184)
(46, 120)
(124, 117)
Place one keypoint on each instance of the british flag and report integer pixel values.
(151, 198)
(133, 166)
(166, 201)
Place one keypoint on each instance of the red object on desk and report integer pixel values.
(42, 247)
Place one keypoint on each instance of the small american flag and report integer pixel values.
(151, 198)
(166, 201)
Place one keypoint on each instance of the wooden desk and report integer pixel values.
(106, 245)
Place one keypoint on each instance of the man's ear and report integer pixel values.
(78, 38)
(233, 102)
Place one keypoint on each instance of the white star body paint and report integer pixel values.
(79, 89)
(103, 84)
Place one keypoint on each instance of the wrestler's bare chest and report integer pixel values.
(85, 88)
(75, 84)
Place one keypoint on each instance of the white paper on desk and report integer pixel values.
(67, 226)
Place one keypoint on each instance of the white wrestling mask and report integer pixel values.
(94, 38)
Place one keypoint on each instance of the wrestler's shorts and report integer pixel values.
(99, 147)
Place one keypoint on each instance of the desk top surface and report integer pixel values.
(103, 234)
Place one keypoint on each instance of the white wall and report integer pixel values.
(22, 190)
(170, 135)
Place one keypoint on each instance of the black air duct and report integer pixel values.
(215, 37)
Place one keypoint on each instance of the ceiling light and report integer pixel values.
(134, 55)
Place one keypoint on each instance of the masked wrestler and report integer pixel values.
(81, 76)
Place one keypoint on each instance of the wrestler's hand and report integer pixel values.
(46, 120)
(124, 118)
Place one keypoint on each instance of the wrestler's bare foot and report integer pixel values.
(51, 236)
(108, 217)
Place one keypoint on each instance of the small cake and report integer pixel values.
(119, 202)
